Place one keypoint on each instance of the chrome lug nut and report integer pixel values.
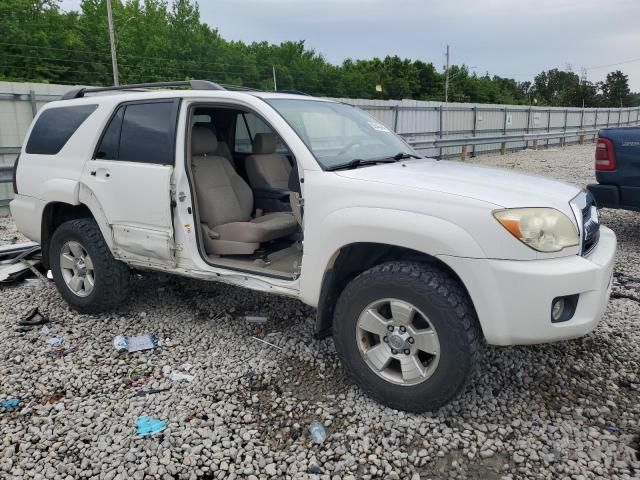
(385, 339)
(390, 328)
(394, 351)
(407, 351)
(403, 329)
(410, 340)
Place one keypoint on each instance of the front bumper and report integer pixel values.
(513, 298)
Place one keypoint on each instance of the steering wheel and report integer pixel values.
(348, 147)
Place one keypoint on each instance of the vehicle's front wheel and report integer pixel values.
(86, 274)
(407, 335)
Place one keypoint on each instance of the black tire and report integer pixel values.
(111, 276)
(449, 310)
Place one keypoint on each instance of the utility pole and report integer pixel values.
(112, 40)
(446, 78)
(583, 83)
(275, 85)
(446, 94)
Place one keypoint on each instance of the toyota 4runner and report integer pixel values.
(411, 262)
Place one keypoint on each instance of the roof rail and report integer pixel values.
(194, 84)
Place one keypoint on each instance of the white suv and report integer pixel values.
(410, 262)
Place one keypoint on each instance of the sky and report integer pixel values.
(510, 38)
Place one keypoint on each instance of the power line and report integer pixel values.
(146, 57)
(614, 64)
(61, 71)
(182, 66)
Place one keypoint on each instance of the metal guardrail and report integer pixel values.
(9, 150)
(6, 173)
(486, 140)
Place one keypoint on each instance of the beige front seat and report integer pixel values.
(225, 203)
(223, 149)
(265, 168)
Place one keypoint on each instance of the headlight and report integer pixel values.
(543, 229)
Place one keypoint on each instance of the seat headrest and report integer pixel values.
(203, 141)
(264, 143)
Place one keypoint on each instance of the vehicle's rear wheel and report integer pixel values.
(86, 274)
(407, 335)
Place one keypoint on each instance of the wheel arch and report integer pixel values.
(56, 213)
(353, 259)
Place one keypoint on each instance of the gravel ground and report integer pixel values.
(565, 410)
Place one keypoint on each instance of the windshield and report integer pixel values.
(337, 133)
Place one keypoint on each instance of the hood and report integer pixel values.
(503, 188)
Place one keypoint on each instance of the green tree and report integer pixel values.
(616, 90)
(556, 87)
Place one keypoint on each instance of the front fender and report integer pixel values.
(424, 233)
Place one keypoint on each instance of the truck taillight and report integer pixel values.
(605, 155)
(15, 174)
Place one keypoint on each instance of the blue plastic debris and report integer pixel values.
(149, 426)
(135, 344)
(56, 341)
(8, 405)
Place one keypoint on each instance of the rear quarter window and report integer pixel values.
(55, 127)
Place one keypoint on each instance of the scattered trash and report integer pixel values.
(61, 351)
(314, 469)
(151, 391)
(10, 252)
(134, 344)
(44, 330)
(23, 329)
(139, 374)
(56, 341)
(53, 398)
(268, 343)
(18, 261)
(49, 275)
(8, 405)
(32, 318)
(16, 271)
(32, 283)
(120, 343)
(149, 426)
(317, 432)
(179, 376)
(611, 428)
(256, 320)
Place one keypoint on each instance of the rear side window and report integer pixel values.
(54, 128)
(141, 132)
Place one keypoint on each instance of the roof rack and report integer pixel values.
(194, 84)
